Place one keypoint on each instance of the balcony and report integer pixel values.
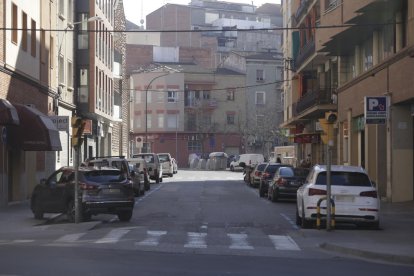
(304, 53)
(302, 10)
(314, 98)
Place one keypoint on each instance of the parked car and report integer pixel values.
(102, 191)
(166, 163)
(175, 165)
(248, 159)
(121, 163)
(139, 167)
(153, 165)
(256, 175)
(354, 194)
(286, 182)
(267, 176)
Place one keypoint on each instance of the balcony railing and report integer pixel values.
(302, 9)
(304, 53)
(314, 98)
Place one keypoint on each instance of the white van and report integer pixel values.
(249, 159)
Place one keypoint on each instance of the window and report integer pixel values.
(138, 121)
(259, 75)
(194, 146)
(230, 119)
(206, 95)
(367, 54)
(138, 97)
(230, 94)
(161, 120)
(260, 97)
(33, 39)
(24, 31)
(70, 75)
(61, 70)
(43, 51)
(172, 96)
(260, 120)
(84, 83)
(14, 23)
(172, 121)
(52, 52)
(62, 7)
(149, 120)
(160, 96)
(83, 31)
(69, 13)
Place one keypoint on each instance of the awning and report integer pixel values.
(8, 113)
(36, 131)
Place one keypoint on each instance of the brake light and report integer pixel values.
(313, 191)
(87, 187)
(281, 182)
(369, 194)
(266, 175)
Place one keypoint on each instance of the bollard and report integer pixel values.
(318, 212)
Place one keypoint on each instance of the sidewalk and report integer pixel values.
(393, 243)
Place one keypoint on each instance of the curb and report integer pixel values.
(376, 256)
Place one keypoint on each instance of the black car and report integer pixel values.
(102, 191)
(267, 176)
(286, 182)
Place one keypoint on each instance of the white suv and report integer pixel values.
(354, 194)
(167, 165)
(153, 165)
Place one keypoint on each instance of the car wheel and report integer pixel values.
(125, 215)
(37, 209)
(261, 191)
(157, 179)
(70, 211)
(232, 168)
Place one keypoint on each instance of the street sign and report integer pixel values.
(376, 110)
(61, 122)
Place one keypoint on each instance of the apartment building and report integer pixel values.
(28, 93)
(342, 68)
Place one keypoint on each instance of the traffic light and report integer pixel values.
(331, 117)
(327, 126)
(78, 126)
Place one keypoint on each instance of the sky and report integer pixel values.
(134, 13)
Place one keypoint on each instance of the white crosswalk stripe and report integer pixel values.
(70, 238)
(113, 236)
(239, 241)
(196, 240)
(153, 238)
(283, 242)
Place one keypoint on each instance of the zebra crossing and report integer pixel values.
(141, 238)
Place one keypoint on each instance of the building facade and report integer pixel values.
(371, 56)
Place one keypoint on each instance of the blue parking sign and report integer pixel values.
(376, 110)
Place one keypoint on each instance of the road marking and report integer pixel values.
(23, 241)
(113, 236)
(70, 237)
(239, 241)
(290, 221)
(196, 240)
(153, 238)
(283, 243)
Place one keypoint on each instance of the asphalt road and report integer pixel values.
(195, 223)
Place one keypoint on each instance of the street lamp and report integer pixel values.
(76, 147)
(146, 108)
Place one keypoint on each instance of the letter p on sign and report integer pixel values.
(372, 103)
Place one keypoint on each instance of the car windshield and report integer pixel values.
(147, 157)
(286, 172)
(103, 176)
(261, 167)
(163, 157)
(272, 168)
(345, 179)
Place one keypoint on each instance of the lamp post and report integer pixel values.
(77, 147)
(146, 108)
